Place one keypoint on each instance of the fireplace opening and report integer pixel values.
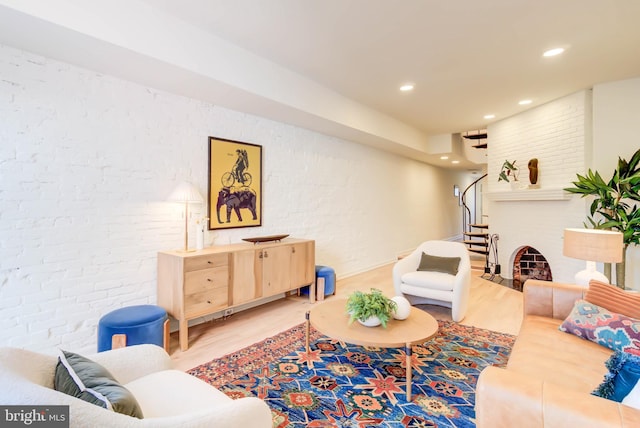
(530, 264)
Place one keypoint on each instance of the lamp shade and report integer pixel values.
(185, 192)
(593, 245)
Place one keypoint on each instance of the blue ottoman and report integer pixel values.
(325, 277)
(133, 325)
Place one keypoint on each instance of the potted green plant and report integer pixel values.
(365, 307)
(509, 170)
(612, 207)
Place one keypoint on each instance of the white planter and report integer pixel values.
(404, 308)
(371, 322)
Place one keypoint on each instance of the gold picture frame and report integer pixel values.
(235, 183)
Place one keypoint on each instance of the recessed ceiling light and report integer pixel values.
(553, 52)
(456, 161)
(407, 87)
(444, 157)
(525, 102)
(489, 116)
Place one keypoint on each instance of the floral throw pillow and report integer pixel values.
(595, 323)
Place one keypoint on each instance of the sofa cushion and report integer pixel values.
(439, 264)
(620, 384)
(87, 380)
(545, 353)
(613, 298)
(431, 280)
(595, 323)
(160, 393)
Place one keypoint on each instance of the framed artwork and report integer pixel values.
(235, 184)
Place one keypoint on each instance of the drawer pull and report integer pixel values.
(260, 255)
(208, 301)
(266, 254)
(210, 262)
(209, 279)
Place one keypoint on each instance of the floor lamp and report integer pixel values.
(592, 245)
(186, 193)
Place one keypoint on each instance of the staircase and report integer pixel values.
(478, 241)
(476, 235)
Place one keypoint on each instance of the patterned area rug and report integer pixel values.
(353, 386)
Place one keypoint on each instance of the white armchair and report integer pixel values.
(168, 398)
(436, 288)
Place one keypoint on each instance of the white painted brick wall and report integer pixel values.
(557, 133)
(616, 109)
(87, 162)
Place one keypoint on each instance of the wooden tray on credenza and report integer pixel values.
(270, 238)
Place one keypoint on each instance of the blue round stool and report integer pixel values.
(324, 274)
(133, 325)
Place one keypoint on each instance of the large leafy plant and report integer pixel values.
(614, 204)
(362, 306)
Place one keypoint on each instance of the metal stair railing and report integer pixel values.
(467, 211)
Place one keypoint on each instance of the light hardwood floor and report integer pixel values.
(491, 306)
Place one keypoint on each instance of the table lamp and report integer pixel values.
(592, 245)
(186, 193)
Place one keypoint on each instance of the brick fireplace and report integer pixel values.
(528, 263)
(569, 135)
(558, 135)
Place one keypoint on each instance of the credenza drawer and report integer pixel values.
(205, 302)
(205, 279)
(205, 262)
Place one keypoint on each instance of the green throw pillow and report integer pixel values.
(89, 381)
(439, 264)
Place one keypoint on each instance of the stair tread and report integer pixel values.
(473, 250)
(476, 136)
(472, 242)
(485, 234)
(480, 225)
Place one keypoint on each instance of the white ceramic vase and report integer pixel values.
(200, 237)
(404, 308)
(372, 321)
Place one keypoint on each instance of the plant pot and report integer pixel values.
(372, 321)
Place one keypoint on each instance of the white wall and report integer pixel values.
(558, 134)
(590, 129)
(616, 110)
(87, 162)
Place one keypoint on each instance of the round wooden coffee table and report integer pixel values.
(330, 318)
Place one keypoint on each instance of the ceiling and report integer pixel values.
(466, 58)
(336, 65)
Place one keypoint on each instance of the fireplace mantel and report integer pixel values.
(552, 194)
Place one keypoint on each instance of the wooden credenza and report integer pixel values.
(199, 283)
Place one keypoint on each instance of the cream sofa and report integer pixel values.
(550, 374)
(168, 398)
